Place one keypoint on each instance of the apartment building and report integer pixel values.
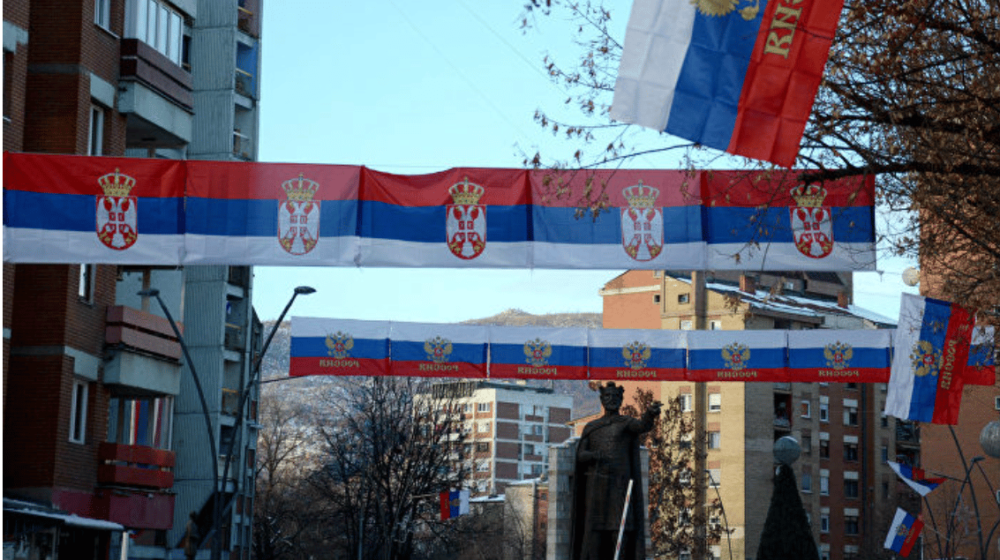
(103, 429)
(847, 488)
(508, 428)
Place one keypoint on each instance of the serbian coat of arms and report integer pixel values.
(298, 216)
(812, 223)
(339, 344)
(538, 352)
(642, 223)
(117, 211)
(736, 356)
(438, 349)
(636, 354)
(466, 220)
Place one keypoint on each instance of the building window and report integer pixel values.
(156, 24)
(807, 483)
(824, 449)
(686, 402)
(852, 386)
(885, 453)
(467, 407)
(850, 451)
(715, 402)
(885, 489)
(807, 443)
(885, 420)
(685, 477)
(824, 523)
(484, 427)
(851, 416)
(685, 555)
(482, 446)
(102, 13)
(850, 525)
(714, 477)
(78, 413)
(95, 143)
(483, 466)
(715, 325)
(8, 82)
(824, 412)
(483, 407)
(85, 289)
(686, 325)
(850, 488)
(714, 440)
(805, 409)
(824, 484)
(656, 298)
(996, 403)
(683, 298)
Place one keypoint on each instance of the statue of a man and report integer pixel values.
(607, 458)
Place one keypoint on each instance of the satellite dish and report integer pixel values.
(911, 276)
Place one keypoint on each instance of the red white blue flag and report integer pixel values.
(538, 353)
(930, 356)
(903, 532)
(840, 356)
(916, 478)
(454, 503)
(637, 355)
(735, 75)
(438, 350)
(737, 356)
(339, 347)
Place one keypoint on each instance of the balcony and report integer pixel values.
(135, 465)
(247, 20)
(230, 400)
(241, 145)
(234, 338)
(156, 94)
(907, 433)
(145, 353)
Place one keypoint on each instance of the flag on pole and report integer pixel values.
(454, 503)
(982, 366)
(930, 352)
(726, 75)
(916, 478)
(903, 532)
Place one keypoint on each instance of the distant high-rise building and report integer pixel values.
(847, 487)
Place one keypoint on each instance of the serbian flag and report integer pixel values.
(654, 220)
(454, 503)
(737, 356)
(637, 355)
(903, 532)
(916, 478)
(930, 355)
(271, 214)
(438, 350)
(459, 218)
(738, 76)
(339, 347)
(538, 353)
(839, 356)
(79, 209)
(772, 221)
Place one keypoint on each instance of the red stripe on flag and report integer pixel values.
(954, 357)
(911, 537)
(445, 506)
(299, 367)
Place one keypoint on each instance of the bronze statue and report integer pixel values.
(607, 457)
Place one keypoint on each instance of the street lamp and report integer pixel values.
(245, 392)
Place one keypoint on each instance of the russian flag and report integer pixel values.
(903, 532)
(538, 353)
(930, 355)
(737, 356)
(738, 76)
(637, 355)
(338, 347)
(982, 366)
(438, 350)
(916, 478)
(79, 209)
(839, 356)
(271, 214)
(454, 503)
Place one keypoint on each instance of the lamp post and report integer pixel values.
(244, 394)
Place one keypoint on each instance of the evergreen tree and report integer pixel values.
(786, 535)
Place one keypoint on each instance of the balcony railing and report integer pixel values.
(244, 83)
(234, 337)
(135, 465)
(241, 145)
(230, 400)
(247, 22)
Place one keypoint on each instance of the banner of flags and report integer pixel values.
(727, 75)
(322, 346)
(72, 209)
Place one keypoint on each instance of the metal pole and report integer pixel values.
(621, 529)
(153, 292)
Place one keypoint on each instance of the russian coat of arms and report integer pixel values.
(538, 352)
(838, 355)
(339, 344)
(117, 211)
(812, 223)
(636, 354)
(642, 223)
(438, 349)
(925, 359)
(736, 356)
(298, 216)
(465, 224)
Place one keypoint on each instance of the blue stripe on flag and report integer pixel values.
(74, 212)
(666, 358)
(259, 218)
(740, 225)
(682, 224)
(760, 358)
(315, 347)
(561, 355)
(413, 351)
(816, 358)
(427, 224)
(933, 330)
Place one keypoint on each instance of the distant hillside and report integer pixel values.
(585, 401)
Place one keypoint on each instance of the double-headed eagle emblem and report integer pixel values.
(538, 352)
(438, 349)
(736, 355)
(725, 7)
(925, 358)
(339, 344)
(838, 355)
(636, 354)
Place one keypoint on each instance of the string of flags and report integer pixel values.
(72, 209)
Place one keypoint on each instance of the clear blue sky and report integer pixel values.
(414, 88)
